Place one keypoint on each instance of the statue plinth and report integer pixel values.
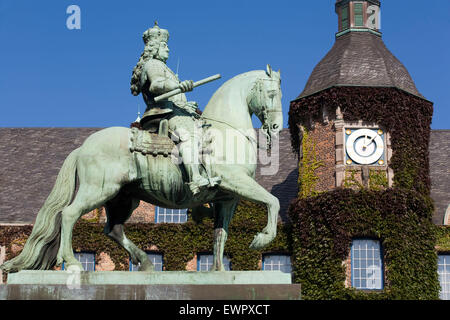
(147, 278)
(167, 285)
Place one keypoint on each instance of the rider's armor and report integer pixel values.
(181, 116)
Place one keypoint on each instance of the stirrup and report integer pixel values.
(214, 181)
(197, 184)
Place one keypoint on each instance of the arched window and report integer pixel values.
(367, 264)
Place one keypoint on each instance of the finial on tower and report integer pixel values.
(138, 119)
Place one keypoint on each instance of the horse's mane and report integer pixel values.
(229, 83)
(246, 74)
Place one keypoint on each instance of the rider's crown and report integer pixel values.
(155, 33)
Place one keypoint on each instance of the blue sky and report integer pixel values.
(51, 76)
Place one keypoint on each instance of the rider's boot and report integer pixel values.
(189, 153)
(197, 180)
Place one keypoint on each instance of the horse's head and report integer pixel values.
(264, 101)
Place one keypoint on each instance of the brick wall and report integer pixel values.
(323, 135)
(144, 213)
(192, 264)
(348, 269)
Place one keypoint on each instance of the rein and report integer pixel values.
(257, 96)
(249, 138)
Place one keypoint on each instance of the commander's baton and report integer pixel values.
(177, 91)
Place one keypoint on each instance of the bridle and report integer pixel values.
(257, 97)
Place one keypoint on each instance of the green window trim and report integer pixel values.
(359, 15)
(344, 18)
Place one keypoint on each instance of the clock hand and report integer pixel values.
(371, 140)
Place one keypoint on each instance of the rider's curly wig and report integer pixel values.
(150, 51)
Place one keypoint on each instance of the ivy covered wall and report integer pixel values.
(406, 117)
(177, 242)
(324, 223)
(323, 229)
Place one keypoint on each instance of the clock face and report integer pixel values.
(364, 146)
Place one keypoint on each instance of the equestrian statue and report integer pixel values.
(176, 157)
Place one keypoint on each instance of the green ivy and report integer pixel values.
(308, 178)
(350, 181)
(405, 117)
(443, 239)
(378, 180)
(177, 242)
(324, 227)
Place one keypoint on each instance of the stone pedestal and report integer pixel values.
(167, 285)
(2, 259)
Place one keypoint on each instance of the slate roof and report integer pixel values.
(359, 59)
(440, 172)
(282, 184)
(30, 159)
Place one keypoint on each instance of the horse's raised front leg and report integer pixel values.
(223, 213)
(247, 188)
(118, 211)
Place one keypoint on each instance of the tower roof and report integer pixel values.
(359, 57)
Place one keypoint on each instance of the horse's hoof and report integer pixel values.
(147, 267)
(6, 267)
(59, 261)
(257, 242)
(261, 240)
(74, 267)
(221, 268)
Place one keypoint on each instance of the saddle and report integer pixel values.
(153, 143)
(148, 143)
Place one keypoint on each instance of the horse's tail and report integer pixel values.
(41, 248)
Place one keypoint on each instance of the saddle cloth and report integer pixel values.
(153, 144)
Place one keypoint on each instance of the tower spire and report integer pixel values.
(138, 119)
(358, 16)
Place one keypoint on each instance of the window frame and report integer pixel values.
(81, 252)
(130, 263)
(345, 9)
(165, 214)
(381, 261)
(442, 291)
(276, 254)
(225, 258)
(355, 4)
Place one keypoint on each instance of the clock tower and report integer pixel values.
(357, 97)
(362, 219)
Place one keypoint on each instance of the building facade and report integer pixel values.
(364, 216)
(362, 181)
